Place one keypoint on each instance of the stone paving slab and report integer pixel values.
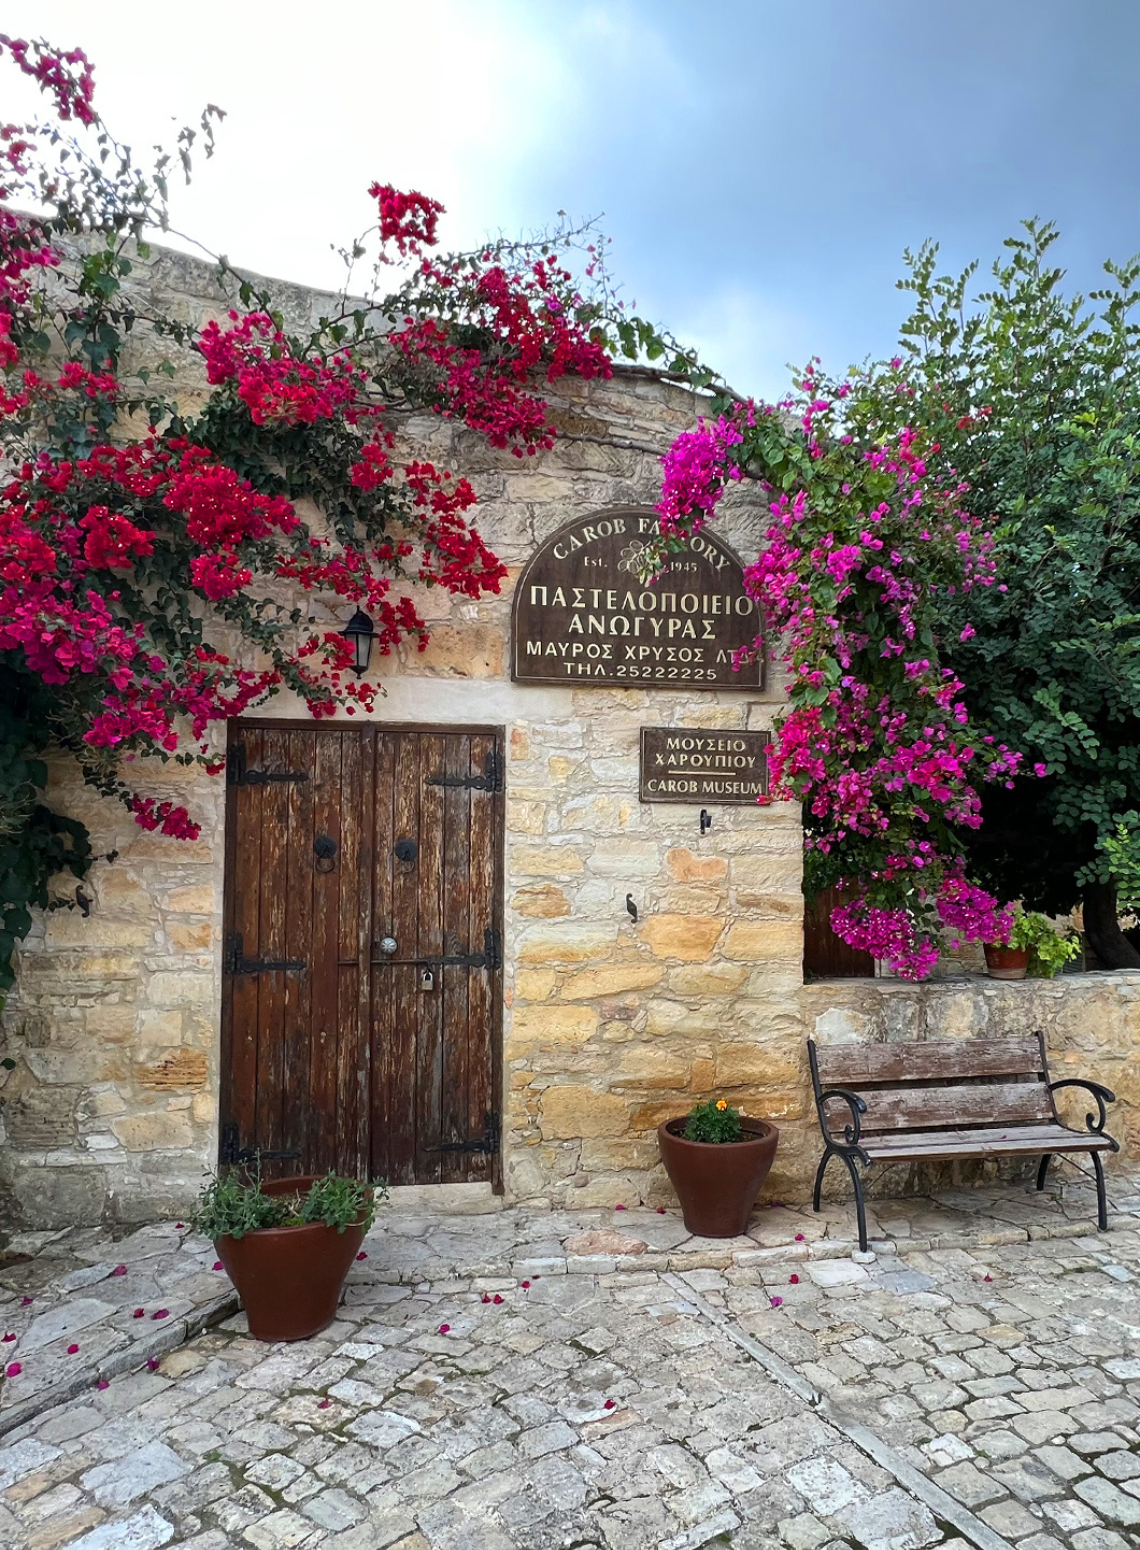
(781, 1392)
(84, 1287)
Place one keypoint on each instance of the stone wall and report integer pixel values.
(110, 1109)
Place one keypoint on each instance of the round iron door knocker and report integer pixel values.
(406, 850)
(326, 848)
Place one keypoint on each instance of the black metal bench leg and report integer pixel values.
(1101, 1201)
(1043, 1169)
(819, 1173)
(860, 1212)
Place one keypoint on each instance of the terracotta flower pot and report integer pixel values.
(289, 1278)
(718, 1182)
(1006, 963)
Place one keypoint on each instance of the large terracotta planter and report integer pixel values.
(289, 1278)
(718, 1182)
(1006, 963)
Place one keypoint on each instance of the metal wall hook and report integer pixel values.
(706, 819)
(631, 907)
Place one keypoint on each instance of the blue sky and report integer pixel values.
(760, 166)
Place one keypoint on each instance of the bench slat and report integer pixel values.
(1031, 1140)
(913, 1108)
(849, 1065)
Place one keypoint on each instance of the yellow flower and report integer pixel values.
(722, 1104)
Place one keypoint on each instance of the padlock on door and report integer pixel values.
(427, 979)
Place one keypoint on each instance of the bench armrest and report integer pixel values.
(851, 1132)
(1095, 1122)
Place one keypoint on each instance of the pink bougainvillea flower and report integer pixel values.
(162, 1313)
(103, 1383)
(324, 1404)
(362, 1255)
(72, 1348)
(139, 1313)
(24, 1301)
(988, 1278)
(13, 1370)
(119, 1270)
(660, 1210)
(179, 1226)
(775, 1302)
(496, 1298)
(218, 1265)
(152, 1363)
(444, 1329)
(486, 1297)
(525, 1286)
(799, 1237)
(619, 1208)
(609, 1404)
(9, 1336)
(793, 1280)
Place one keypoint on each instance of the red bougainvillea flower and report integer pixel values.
(660, 1210)
(139, 1313)
(151, 1363)
(24, 1301)
(13, 1370)
(218, 1265)
(179, 1226)
(486, 1297)
(8, 1337)
(72, 1348)
(362, 1255)
(793, 1280)
(525, 1286)
(619, 1208)
(162, 1313)
(324, 1404)
(609, 1404)
(119, 1270)
(799, 1237)
(496, 1298)
(444, 1329)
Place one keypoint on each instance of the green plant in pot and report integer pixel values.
(286, 1244)
(1031, 946)
(717, 1160)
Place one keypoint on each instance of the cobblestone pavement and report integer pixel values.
(789, 1395)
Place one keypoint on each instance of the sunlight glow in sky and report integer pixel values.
(760, 167)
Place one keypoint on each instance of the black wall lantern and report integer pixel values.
(359, 632)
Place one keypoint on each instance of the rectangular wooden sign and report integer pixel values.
(689, 764)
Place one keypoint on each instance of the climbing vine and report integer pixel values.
(151, 558)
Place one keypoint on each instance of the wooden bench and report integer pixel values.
(946, 1099)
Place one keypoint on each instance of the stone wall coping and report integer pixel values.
(951, 982)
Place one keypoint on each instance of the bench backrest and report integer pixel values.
(938, 1085)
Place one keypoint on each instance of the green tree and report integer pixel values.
(1031, 397)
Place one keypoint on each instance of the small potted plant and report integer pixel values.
(1030, 945)
(286, 1245)
(717, 1159)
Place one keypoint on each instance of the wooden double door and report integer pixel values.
(362, 969)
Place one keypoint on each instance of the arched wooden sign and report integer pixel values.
(583, 617)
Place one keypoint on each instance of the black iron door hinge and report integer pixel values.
(488, 1142)
(490, 780)
(234, 960)
(231, 1152)
(238, 772)
(491, 958)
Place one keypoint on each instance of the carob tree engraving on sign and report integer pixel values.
(584, 616)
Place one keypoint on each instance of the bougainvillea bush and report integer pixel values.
(863, 545)
(151, 560)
